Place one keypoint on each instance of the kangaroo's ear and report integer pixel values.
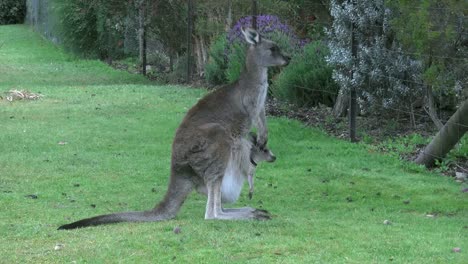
(251, 36)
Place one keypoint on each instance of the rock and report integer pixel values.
(387, 222)
(58, 247)
(176, 230)
(456, 250)
(460, 176)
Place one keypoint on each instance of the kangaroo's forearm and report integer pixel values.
(262, 129)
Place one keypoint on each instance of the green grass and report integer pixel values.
(329, 198)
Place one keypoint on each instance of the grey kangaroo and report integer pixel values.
(249, 155)
(208, 142)
(257, 155)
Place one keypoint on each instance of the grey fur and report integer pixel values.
(207, 142)
(245, 160)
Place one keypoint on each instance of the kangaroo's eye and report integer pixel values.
(274, 49)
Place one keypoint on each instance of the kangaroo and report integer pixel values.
(257, 154)
(249, 155)
(209, 139)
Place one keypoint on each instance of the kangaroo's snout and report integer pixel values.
(287, 59)
(272, 158)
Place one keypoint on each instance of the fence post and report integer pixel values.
(254, 14)
(352, 97)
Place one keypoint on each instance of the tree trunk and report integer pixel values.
(198, 55)
(142, 35)
(446, 138)
(171, 61)
(228, 24)
(190, 24)
(204, 51)
(412, 116)
(341, 105)
(201, 54)
(431, 110)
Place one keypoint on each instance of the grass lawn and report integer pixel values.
(99, 141)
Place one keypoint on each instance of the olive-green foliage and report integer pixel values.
(215, 69)
(91, 28)
(110, 27)
(78, 26)
(237, 51)
(329, 198)
(236, 61)
(12, 11)
(179, 73)
(434, 32)
(308, 79)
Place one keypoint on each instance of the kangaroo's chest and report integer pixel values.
(257, 101)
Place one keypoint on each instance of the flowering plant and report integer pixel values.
(267, 25)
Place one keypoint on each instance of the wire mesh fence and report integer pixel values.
(168, 50)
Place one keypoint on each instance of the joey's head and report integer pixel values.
(263, 52)
(259, 153)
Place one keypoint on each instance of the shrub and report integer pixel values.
(307, 81)
(179, 73)
(92, 28)
(110, 26)
(236, 62)
(12, 11)
(215, 69)
(268, 26)
(78, 26)
(227, 54)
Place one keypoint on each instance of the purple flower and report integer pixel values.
(266, 24)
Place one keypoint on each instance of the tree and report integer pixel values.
(142, 34)
(383, 76)
(434, 32)
(447, 137)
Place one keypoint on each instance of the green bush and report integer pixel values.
(92, 28)
(236, 57)
(221, 70)
(12, 11)
(110, 26)
(78, 26)
(179, 73)
(215, 69)
(236, 62)
(307, 81)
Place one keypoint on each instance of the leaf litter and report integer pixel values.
(17, 95)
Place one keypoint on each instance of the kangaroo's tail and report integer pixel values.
(144, 216)
(147, 216)
(177, 192)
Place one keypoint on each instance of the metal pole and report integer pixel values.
(352, 98)
(254, 14)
